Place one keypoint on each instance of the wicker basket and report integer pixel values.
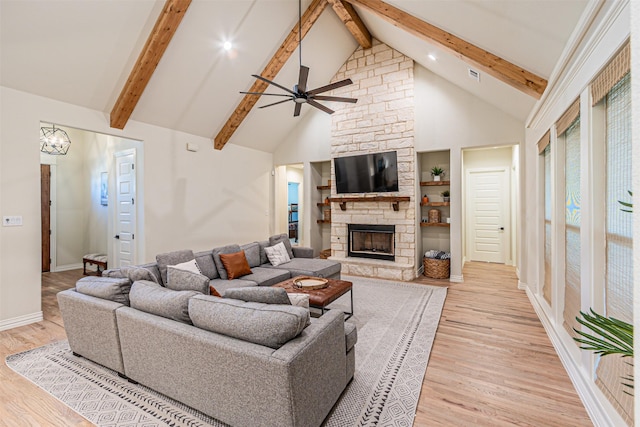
(325, 253)
(436, 268)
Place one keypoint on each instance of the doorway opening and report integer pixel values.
(289, 202)
(79, 197)
(490, 200)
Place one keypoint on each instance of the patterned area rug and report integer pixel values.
(396, 327)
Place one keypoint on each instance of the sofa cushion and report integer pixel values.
(184, 280)
(252, 252)
(263, 256)
(135, 273)
(310, 267)
(267, 276)
(271, 325)
(229, 249)
(274, 240)
(235, 265)
(109, 288)
(207, 264)
(265, 295)
(172, 258)
(152, 298)
(350, 335)
(222, 285)
(277, 254)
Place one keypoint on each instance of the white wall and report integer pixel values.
(191, 200)
(449, 118)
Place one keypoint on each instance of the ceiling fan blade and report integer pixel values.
(296, 110)
(275, 103)
(331, 86)
(319, 106)
(334, 98)
(274, 83)
(265, 93)
(302, 79)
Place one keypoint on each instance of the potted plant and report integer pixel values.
(445, 196)
(436, 172)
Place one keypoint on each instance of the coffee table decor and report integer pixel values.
(310, 283)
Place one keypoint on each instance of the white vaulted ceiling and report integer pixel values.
(82, 51)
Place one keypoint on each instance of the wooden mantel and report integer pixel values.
(395, 200)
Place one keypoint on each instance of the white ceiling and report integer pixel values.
(81, 52)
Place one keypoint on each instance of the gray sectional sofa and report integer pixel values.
(255, 361)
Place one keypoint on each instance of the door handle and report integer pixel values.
(117, 236)
(501, 228)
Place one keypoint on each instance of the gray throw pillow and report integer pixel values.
(274, 240)
(252, 253)
(207, 264)
(183, 280)
(109, 288)
(172, 258)
(271, 325)
(152, 298)
(135, 273)
(265, 295)
(114, 272)
(263, 255)
(229, 249)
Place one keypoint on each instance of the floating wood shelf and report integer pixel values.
(323, 187)
(395, 200)
(323, 221)
(435, 204)
(434, 224)
(433, 183)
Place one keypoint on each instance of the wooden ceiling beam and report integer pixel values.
(352, 21)
(491, 64)
(157, 42)
(286, 49)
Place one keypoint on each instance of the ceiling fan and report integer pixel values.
(300, 95)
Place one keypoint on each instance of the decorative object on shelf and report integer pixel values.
(327, 215)
(434, 215)
(325, 253)
(309, 283)
(425, 199)
(54, 141)
(327, 201)
(445, 196)
(437, 172)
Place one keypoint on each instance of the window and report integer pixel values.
(546, 288)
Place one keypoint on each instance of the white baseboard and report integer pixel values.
(456, 278)
(522, 286)
(517, 272)
(20, 321)
(600, 411)
(68, 267)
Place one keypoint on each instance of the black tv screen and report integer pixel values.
(367, 173)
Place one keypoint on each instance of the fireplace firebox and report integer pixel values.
(371, 241)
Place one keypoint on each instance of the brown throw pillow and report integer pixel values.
(236, 264)
(214, 292)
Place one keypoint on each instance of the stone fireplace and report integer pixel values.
(382, 120)
(371, 241)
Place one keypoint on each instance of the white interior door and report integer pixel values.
(487, 222)
(125, 199)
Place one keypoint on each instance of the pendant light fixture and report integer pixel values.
(54, 141)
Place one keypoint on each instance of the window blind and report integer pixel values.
(544, 142)
(546, 288)
(572, 291)
(568, 117)
(619, 239)
(611, 74)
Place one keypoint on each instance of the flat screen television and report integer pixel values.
(367, 173)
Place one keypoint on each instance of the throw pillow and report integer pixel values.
(109, 288)
(229, 249)
(235, 264)
(206, 264)
(135, 273)
(252, 252)
(277, 254)
(172, 258)
(191, 266)
(300, 300)
(214, 292)
(282, 238)
(265, 295)
(185, 280)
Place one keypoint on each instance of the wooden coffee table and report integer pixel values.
(321, 298)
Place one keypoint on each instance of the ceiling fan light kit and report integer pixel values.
(300, 95)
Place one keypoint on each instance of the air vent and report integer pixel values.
(475, 75)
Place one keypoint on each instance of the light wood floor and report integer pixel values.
(491, 363)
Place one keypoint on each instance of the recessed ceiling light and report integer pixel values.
(432, 57)
(227, 46)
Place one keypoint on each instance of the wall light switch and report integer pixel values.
(12, 221)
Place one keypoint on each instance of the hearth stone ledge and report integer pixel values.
(380, 269)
